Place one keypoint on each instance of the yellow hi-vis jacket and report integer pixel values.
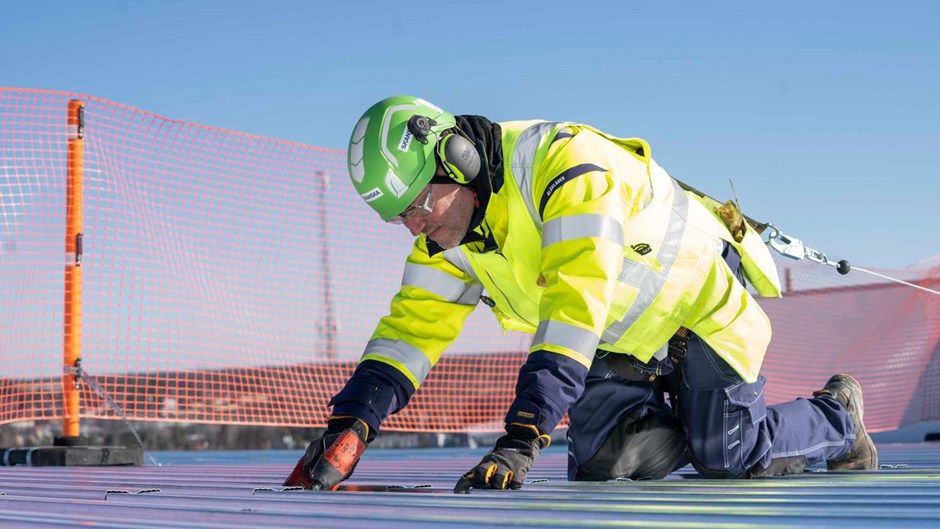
(598, 248)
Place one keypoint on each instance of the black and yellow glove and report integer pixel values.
(507, 465)
(332, 458)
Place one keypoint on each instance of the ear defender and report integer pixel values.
(459, 158)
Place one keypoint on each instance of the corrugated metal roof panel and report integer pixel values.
(216, 490)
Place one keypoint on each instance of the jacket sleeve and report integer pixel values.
(426, 316)
(584, 195)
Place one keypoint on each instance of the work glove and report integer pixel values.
(507, 465)
(332, 458)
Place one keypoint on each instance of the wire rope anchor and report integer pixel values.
(794, 248)
(83, 378)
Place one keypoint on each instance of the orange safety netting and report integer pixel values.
(229, 278)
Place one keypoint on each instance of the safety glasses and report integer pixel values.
(422, 207)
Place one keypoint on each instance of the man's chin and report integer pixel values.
(449, 240)
(447, 245)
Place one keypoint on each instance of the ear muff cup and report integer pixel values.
(459, 157)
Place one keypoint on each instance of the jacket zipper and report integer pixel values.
(506, 298)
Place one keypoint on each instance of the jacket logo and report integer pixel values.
(641, 248)
(525, 414)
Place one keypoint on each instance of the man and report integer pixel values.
(633, 288)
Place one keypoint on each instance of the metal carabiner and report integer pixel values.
(787, 246)
(795, 249)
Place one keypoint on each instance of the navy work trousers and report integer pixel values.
(730, 430)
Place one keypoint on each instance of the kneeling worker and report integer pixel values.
(633, 288)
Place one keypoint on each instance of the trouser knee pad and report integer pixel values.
(648, 447)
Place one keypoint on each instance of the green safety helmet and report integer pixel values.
(391, 153)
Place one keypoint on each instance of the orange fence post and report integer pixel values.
(73, 269)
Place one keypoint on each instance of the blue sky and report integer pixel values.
(826, 115)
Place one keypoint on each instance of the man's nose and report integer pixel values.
(415, 225)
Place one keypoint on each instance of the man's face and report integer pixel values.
(449, 219)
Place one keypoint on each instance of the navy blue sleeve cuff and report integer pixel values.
(374, 391)
(548, 384)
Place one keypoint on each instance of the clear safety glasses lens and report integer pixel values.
(422, 208)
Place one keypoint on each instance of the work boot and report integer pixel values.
(863, 455)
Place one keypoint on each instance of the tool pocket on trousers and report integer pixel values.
(744, 409)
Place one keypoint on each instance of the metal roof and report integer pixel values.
(242, 489)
